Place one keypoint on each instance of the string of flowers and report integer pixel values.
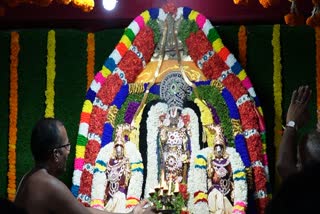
(277, 85)
(314, 19)
(240, 2)
(85, 5)
(317, 29)
(51, 74)
(266, 3)
(13, 103)
(90, 58)
(242, 38)
(294, 18)
(103, 91)
(222, 65)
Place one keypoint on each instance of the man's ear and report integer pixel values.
(56, 154)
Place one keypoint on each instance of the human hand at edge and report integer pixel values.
(298, 107)
(140, 208)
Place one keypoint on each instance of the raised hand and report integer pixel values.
(297, 111)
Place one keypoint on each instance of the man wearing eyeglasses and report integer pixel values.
(40, 191)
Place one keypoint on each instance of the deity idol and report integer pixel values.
(118, 175)
(218, 178)
(172, 134)
(220, 181)
(117, 181)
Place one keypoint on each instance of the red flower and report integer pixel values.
(183, 190)
(186, 119)
(109, 89)
(131, 64)
(96, 124)
(170, 7)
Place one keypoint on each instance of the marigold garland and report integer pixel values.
(314, 19)
(277, 85)
(85, 5)
(51, 74)
(240, 2)
(317, 29)
(90, 58)
(242, 37)
(265, 3)
(294, 18)
(13, 103)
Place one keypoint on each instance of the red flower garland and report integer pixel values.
(198, 45)
(106, 94)
(131, 64)
(109, 89)
(234, 86)
(96, 124)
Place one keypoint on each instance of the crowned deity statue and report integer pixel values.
(220, 180)
(118, 178)
(118, 175)
(217, 178)
(174, 130)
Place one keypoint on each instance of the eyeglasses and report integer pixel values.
(67, 146)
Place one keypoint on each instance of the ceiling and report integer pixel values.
(218, 11)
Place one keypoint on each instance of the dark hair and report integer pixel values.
(45, 137)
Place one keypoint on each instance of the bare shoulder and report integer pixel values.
(48, 194)
(50, 187)
(41, 185)
(36, 190)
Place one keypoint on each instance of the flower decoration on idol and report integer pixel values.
(170, 195)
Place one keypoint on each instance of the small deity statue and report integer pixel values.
(219, 174)
(118, 174)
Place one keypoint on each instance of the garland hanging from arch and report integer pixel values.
(109, 90)
(13, 103)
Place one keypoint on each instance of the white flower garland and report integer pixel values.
(240, 185)
(152, 131)
(136, 180)
(198, 179)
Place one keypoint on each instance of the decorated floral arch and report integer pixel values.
(113, 98)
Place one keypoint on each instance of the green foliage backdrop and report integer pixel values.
(298, 67)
